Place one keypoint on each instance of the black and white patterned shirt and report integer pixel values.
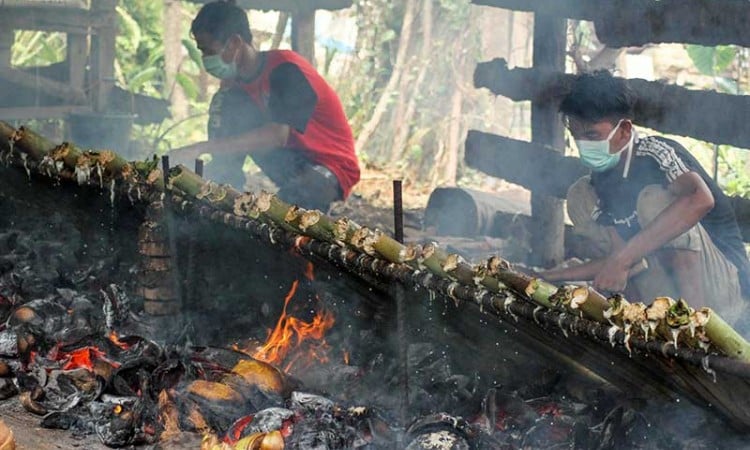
(657, 160)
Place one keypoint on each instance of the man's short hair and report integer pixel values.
(221, 20)
(596, 96)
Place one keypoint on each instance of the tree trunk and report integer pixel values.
(380, 109)
(173, 57)
(403, 124)
(278, 35)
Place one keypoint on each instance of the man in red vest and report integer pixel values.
(275, 107)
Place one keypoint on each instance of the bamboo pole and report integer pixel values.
(495, 276)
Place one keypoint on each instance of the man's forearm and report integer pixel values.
(268, 136)
(676, 219)
(581, 272)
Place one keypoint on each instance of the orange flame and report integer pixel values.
(290, 333)
(346, 357)
(85, 357)
(116, 340)
(309, 273)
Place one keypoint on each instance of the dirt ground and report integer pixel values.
(29, 436)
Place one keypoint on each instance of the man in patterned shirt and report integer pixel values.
(648, 201)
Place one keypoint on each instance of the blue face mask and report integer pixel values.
(595, 154)
(216, 66)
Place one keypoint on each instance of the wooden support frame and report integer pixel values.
(103, 54)
(705, 115)
(303, 34)
(536, 167)
(547, 129)
(621, 23)
(288, 5)
(65, 20)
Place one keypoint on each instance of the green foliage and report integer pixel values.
(37, 48)
(712, 60)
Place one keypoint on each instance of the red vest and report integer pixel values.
(327, 139)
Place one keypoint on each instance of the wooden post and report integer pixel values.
(103, 53)
(303, 34)
(547, 246)
(6, 42)
(77, 54)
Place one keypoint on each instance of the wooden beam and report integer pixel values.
(547, 129)
(622, 23)
(303, 34)
(705, 115)
(41, 112)
(535, 167)
(103, 54)
(77, 49)
(62, 91)
(6, 43)
(66, 20)
(288, 5)
(572, 9)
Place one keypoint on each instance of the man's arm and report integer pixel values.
(582, 272)
(693, 201)
(268, 136)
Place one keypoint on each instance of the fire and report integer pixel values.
(116, 340)
(309, 273)
(84, 357)
(346, 357)
(290, 333)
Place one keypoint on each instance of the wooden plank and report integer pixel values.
(41, 112)
(64, 92)
(103, 54)
(66, 20)
(547, 129)
(77, 54)
(6, 43)
(533, 166)
(705, 115)
(303, 34)
(289, 5)
(621, 23)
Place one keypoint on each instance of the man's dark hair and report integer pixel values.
(597, 96)
(221, 20)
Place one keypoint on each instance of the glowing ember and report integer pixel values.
(290, 333)
(85, 357)
(309, 274)
(346, 357)
(116, 340)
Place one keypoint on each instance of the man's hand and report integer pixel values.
(613, 275)
(188, 154)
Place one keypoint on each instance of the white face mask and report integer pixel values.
(595, 154)
(216, 66)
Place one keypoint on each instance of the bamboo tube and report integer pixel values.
(36, 146)
(721, 335)
(656, 315)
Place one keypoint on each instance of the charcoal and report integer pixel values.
(310, 403)
(8, 388)
(265, 421)
(117, 425)
(316, 435)
(8, 343)
(7, 263)
(438, 440)
(440, 431)
(62, 420)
